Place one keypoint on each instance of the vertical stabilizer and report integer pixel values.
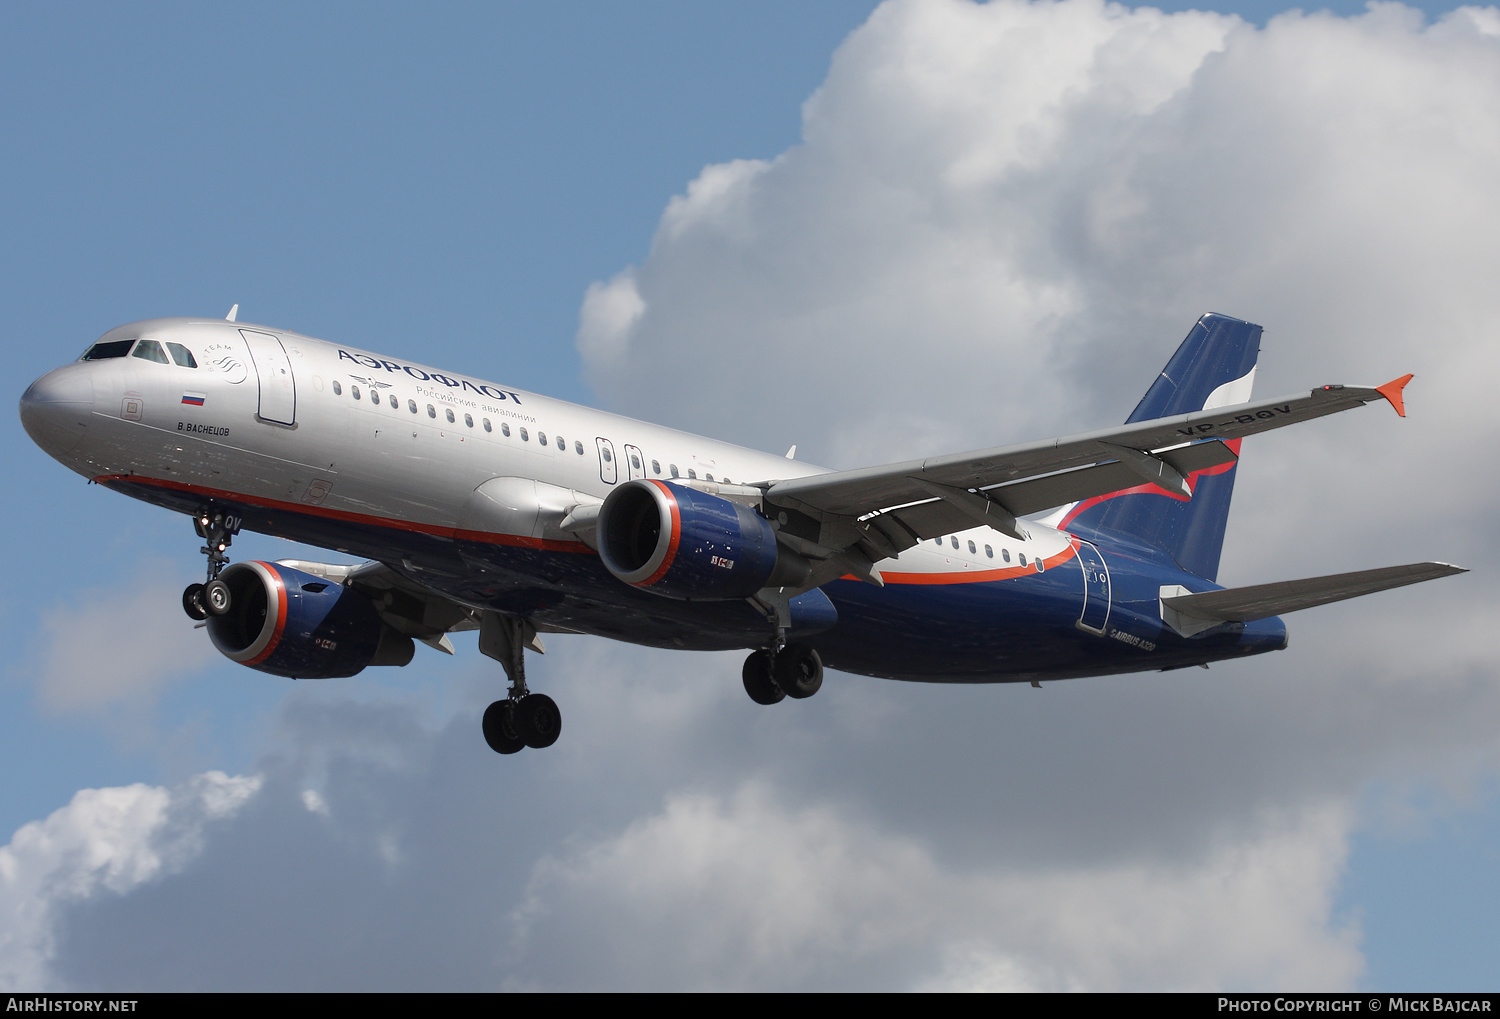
(1214, 367)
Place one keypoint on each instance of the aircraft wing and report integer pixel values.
(1190, 613)
(894, 506)
(404, 605)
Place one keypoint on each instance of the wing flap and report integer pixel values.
(860, 492)
(1051, 490)
(1244, 604)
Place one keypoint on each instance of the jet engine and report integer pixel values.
(289, 623)
(680, 543)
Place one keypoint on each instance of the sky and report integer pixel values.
(874, 231)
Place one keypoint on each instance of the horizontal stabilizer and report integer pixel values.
(1189, 613)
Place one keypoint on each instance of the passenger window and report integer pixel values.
(104, 351)
(1041, 564)
(954, 539)
(505, 429)
(338, 390)
(609, 457)
(674, 470)
(411, 405)
(469, 420)
(431, 411)
(578, 447)
(972, 549)
(938, 542)
(487, 425)
(354, 391)
(708, 477)
(989, 552)
(150, 350)
(524, 436)
(1022, 557)
(541, 437)
(635, 461)
(692, 474)
(562, 443)
(395, 403)
(182, 355)
(1005, 554)
(448, 413)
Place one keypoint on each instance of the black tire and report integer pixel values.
(538, 721)
(217, 599)
(192, 602)
(798, 670)
(500, 729)
(758, 682)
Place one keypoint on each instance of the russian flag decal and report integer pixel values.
(194, 399)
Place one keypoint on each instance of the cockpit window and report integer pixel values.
(150, 350)
(182, 355)
(102, 351)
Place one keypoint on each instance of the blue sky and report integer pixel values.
(447, 183)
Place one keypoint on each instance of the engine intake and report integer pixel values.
(293, 624)
(681, 543)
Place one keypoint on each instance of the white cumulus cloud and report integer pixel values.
(106, 842)
(742, 892)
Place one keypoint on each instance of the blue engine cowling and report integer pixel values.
(680, 543)
(293, 624)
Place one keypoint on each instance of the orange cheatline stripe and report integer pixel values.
(488, 537)
(1149, 489)
(976, 576)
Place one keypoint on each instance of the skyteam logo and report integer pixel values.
(233, 368)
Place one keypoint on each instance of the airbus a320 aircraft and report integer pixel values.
(481, 507)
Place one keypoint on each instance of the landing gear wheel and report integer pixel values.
(500, 728)
(758, 682)
(798, 670)
(538, 721)
(216, 597)
(192, 602)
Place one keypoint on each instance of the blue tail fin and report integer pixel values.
(1214, 367)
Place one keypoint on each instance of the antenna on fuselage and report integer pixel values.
(236, 310)
(791, 454)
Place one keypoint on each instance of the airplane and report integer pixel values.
(478, 507)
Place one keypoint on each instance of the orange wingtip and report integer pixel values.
(1392, 392)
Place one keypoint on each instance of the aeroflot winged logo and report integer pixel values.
(421, 375)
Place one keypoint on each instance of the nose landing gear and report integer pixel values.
(795, 671)
(212, 597)
(523, 719)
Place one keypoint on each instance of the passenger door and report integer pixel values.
(278, 387)
(1096, 589)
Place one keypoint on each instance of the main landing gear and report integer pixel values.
(794, 671)
(523, 719)
(212, 597)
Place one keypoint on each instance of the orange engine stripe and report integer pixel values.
(281, 607)
(666, 562)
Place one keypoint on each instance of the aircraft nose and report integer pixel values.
(56, 408)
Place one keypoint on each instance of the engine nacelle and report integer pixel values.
(680, 543)
(293, 624)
